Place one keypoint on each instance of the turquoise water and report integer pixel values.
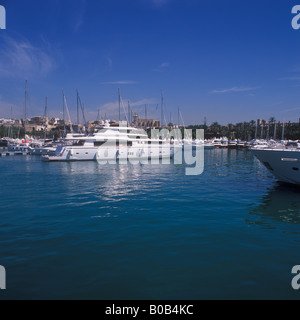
(87, 231)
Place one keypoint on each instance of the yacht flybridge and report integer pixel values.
(112, 143)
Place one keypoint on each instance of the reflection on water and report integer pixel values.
(280, 205)
(85, 230)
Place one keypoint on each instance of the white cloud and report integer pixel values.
(234, 89)
(19, 58)
(109, 61)
(80, 10)
(162, 67)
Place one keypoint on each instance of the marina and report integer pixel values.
(17, 153)
(149, 152)
(148, 231)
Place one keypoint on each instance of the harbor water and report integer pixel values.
(82, 230)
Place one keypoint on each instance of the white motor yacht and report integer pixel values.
(112, 143)
(232, 143)
(283, 162)
(217, 142)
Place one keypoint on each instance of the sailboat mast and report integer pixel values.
(63, 97)
(45, 128)
(77, 110)
(98, 115)
(12, 124)
(25, 121)
(119, 104)
(162, 110)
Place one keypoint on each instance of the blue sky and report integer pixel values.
(228, 61)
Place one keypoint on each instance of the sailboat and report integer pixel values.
(43, 147)
(23, 145)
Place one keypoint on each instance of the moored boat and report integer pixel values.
(112, 143)
(283, 163)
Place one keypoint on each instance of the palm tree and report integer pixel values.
(215, 128)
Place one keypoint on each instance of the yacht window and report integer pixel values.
(79, 142)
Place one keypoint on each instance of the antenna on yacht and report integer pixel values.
(125, 114)
(129, 118)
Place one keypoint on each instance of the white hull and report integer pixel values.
(284, 164)
(42, 151)
(18, 148)
(71, 153)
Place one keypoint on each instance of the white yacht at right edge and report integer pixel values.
(282, 160)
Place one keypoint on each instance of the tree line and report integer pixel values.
(247, 131)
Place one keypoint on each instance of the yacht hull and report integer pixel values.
(284, 164)
(109, 154)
